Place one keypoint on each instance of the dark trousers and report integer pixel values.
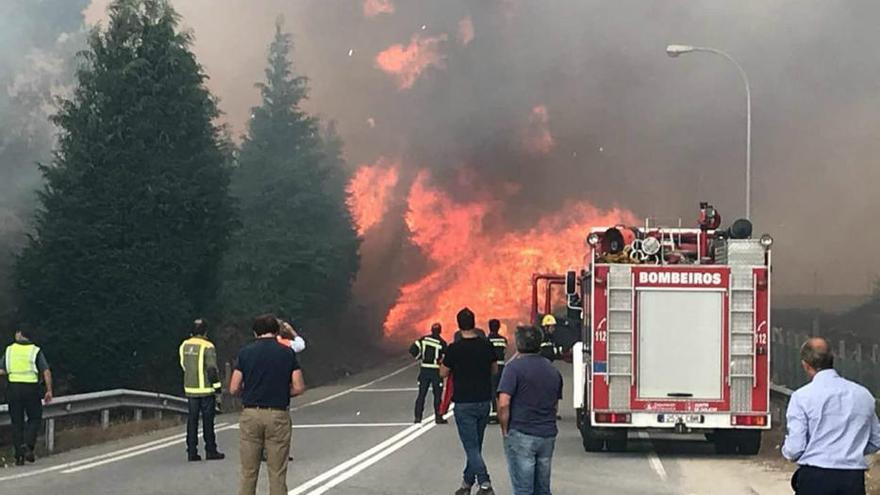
(496, 379)
(204, 407)
(429, 378)
(25, 401)
(809, 480)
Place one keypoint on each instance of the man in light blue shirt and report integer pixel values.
(832, 425)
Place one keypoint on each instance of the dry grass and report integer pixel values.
(73, 436)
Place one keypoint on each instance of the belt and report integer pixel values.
(266, 408)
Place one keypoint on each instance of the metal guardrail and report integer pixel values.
(69, 405)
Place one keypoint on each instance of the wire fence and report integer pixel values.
(853, 360)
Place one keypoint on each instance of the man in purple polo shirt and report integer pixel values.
(528, 399)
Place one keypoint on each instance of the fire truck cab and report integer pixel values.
(674, 333)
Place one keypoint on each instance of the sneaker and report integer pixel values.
(215, 456)
(417, 420)
(193, 457)
(486, 490)
(465, 490)
(440, 420)
(19, 460)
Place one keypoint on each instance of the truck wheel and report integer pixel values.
(618, 442)
(591, 442)
(725, 443)
(749, 442)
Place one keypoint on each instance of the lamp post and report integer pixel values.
(675, 51)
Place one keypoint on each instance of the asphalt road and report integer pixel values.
(356, 438)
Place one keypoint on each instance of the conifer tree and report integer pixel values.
(136, 213)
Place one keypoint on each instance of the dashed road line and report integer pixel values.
(654, 459)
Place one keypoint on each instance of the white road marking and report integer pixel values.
(343, 425)
(135, 453)
(95, 461)
(161, 441)
(654, 459)
(376, 458)
(352, 389)
(383, 390)
(344, 468)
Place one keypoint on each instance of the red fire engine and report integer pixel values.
(674, 326)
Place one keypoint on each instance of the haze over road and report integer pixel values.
(355, 438)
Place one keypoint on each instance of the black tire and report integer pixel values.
(725, 443)
(591, 442)
(749, 442)
(618, 442)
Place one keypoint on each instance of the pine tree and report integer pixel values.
(136, 213)
(297, 250)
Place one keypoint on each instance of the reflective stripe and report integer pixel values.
(21, 363)
(192, 355)
(424, 343)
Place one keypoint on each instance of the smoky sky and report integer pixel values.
(631, 127)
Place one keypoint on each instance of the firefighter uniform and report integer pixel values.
(549, 348)
(429, 350)
(499, 344)
(24, 364)
(201, 381)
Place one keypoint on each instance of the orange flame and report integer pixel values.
(538, 139)
(370, 193)
(407, 63)
(372, 8)
(465, 30)
(486, 271)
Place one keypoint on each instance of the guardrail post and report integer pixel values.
(159, 414)
(50, 435)
(138, 414)
(105, 419)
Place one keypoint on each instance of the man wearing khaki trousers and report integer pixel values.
(266, 376)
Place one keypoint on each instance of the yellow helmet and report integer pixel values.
(548, 320)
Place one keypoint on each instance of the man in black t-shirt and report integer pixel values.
(471, 362)
(266, 376)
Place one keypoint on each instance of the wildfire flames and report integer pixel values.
(372, 8)
(369, 193)
(471, 266)
(407, 63)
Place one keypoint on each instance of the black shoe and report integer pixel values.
(215, 456)
(193, 457)
(486, 490)
(465, 490)
(417, 421)
(29, 456)
(440, 420)
(493, 421)
(19, 460)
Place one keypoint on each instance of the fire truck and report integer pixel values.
(673, 328)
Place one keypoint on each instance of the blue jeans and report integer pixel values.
(528, 461)
(471, 419)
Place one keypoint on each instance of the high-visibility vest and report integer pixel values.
(499, 343)
(21, 363)
(430, 352)
(199, 360)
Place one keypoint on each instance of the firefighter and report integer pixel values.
(429, 350)
(549, 348)
(201, 383)
(24, 364)
(499, 344)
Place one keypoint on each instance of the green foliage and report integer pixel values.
(296, 253)
(135, 215)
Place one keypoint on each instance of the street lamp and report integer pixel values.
(676, 50)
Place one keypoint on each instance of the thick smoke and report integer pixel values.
(38, 39)
(627, 126)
